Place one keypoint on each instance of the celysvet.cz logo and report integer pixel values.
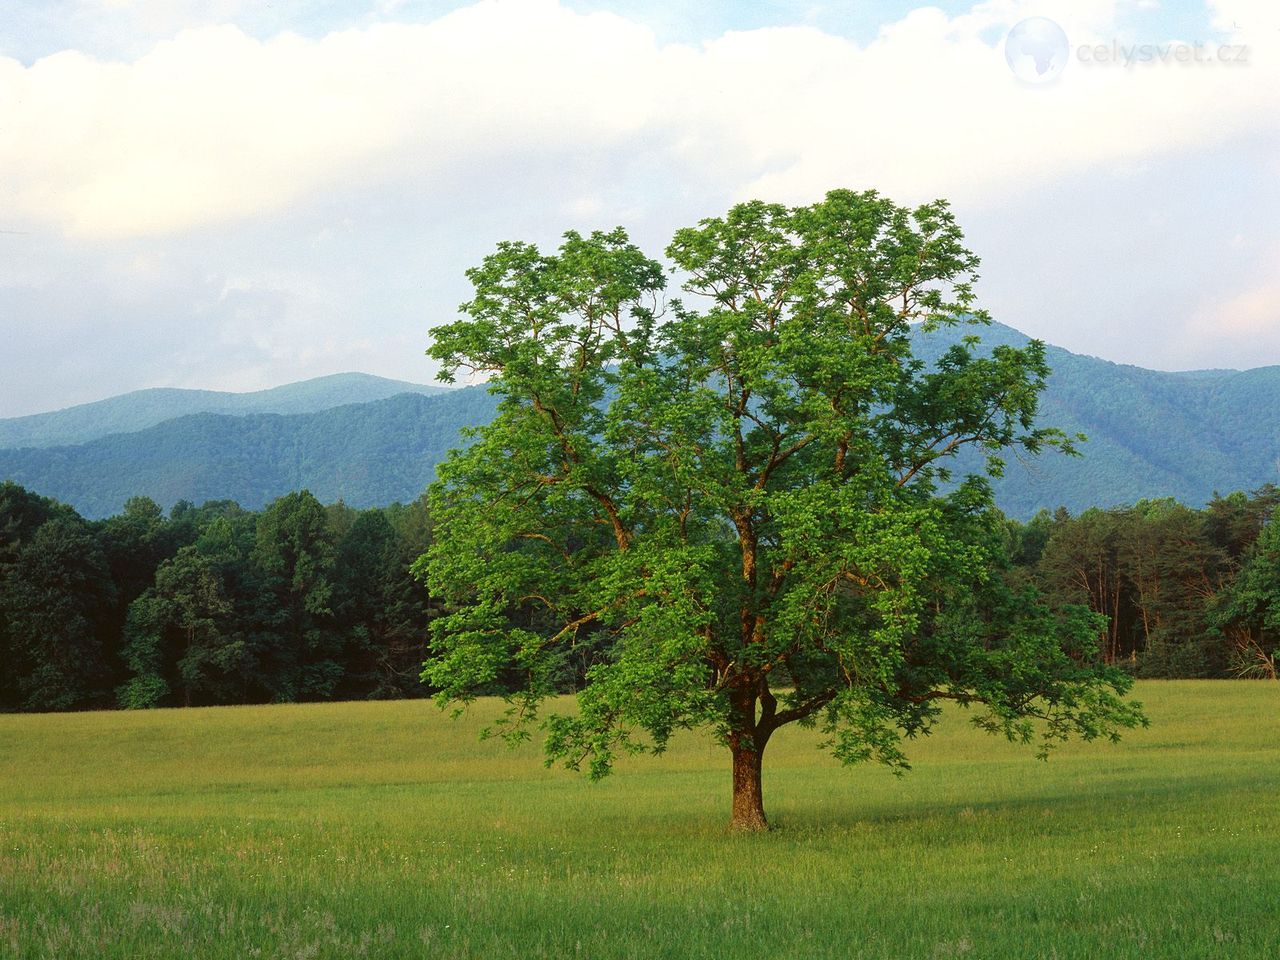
(1037, 51)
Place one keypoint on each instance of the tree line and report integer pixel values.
(300, 601)
(1185, 593)
(209, 604)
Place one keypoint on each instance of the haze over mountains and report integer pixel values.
(370, 441)
(130, 412)
(1151, 433)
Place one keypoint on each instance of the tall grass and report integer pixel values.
(386, 830)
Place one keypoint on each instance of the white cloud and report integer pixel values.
(928, 109)
(214, 126)
(237, 209)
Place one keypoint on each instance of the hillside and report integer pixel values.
(130, 412)
(366, 454)
(1151, 434)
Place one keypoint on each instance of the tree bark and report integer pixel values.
(748, 799)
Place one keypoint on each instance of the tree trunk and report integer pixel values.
(748, 800)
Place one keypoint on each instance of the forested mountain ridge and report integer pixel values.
(140, 409)
(366, 454)
(1150, 434)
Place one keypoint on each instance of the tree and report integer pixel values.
(295, 551)
(1234, 521)
(1175, 572)
(1152, 572)
(1079, 564)
(176, 636)
(749, 495)
(1248, 611)
(22, 513)
(135, 543)
(53, 597)
(381, 608)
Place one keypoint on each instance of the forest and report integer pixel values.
(301, 601)
(208, 605)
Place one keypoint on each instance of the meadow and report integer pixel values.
(387, 830)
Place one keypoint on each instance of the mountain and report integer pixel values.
(366, 454)
(1151, 434)
(131, 412)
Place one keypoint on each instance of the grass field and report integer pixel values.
(385, 830)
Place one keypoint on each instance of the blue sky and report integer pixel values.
(36, 28)
(234, 194)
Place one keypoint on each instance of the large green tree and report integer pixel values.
(747, 495)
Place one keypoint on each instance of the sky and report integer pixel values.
(234, 194)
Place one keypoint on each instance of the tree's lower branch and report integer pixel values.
(802, 710)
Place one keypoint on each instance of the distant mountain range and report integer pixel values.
(135, 411)
(1150, 433)
(366, 454)
(370, 441)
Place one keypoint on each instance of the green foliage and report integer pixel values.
(144, 691)
(1249, 611)
(294, 550)
(1169, 582)
(143, 654)
(180, 637)
(744, 494)
(212, 605)
(53, 595)
(383, 606)
(206, 625)
(1235, 522)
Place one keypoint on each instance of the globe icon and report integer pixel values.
(1036, 50)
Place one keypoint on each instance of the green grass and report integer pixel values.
(385, 830)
